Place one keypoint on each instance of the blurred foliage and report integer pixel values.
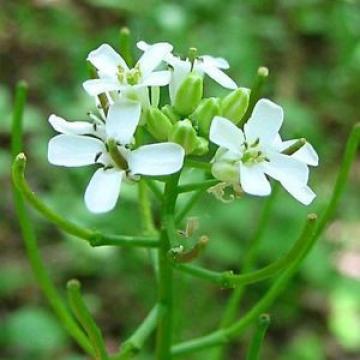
(312, 48)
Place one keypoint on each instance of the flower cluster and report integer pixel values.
(128, 101)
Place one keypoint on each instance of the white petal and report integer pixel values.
(226, 134)
(98, 86)
(306, 153)
(106, 60)
(103, 190)
(300, 192)
(71, 127)
(265, 122)
(74, 150)
(153, 56)
(142, 45)
(219, 76)
(157, 78)
(156, 159)
(286, 169)
(253, 180)
(218, 62)
(122, 120)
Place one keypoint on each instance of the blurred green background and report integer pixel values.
(312, 49)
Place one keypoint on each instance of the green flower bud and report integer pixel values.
(234, 105)
(189, 94)
(225, 171)
(204, 113)
(158, 124)
(202, 147)
(170, 112)
(184, 134)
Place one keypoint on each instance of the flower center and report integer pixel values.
(252, 153)
(116, 155)
(131, 77)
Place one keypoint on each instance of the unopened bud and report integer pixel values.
(225, 171)
(202, 146)
(184, 134)
(170, 112)
(234, 105)
(204, 114)
(158, 124)
(189, 94)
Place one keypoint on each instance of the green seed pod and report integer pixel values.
(189, 94)
(202, 147)
(234, 105)
(158, 124)
(184, 134)
(204, 113)
(170, 112)
(225, 171)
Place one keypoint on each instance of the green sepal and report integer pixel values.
(235, 104)
(158, 124)
(202, 147)
(204, 114)
(184, 134)
(225, 171)
(189, 94)
(171, 113)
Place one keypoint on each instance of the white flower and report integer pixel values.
(115, 75)
(205, 64)
(249, 157)
(82, 143)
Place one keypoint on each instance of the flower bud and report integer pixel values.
(189, 94)
(225, 171)
(204, 113)
(170, 112)
(158, 124)
(184, 134)
(202, 146)
(234, 105)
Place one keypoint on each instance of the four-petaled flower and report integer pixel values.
(205, 64)
(248, 157)
(108, 142)
(115, 75)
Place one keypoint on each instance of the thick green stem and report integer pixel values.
(225, 335)
(145, 209)
(28, 234)
(93, 237)
(84, 317)
(165, 297)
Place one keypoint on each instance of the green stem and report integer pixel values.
(256, 90)
(197, 164)
(225, 335)
(165, 297)
(136, 341)
(145, 209)
(203, 185)
(125, 46)
(235, 299)
(258, 337)
(84, 317)
(343, 174)
(93, 237)
(38, 267)
(154, 188)
(229, 279)
(189, 205)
